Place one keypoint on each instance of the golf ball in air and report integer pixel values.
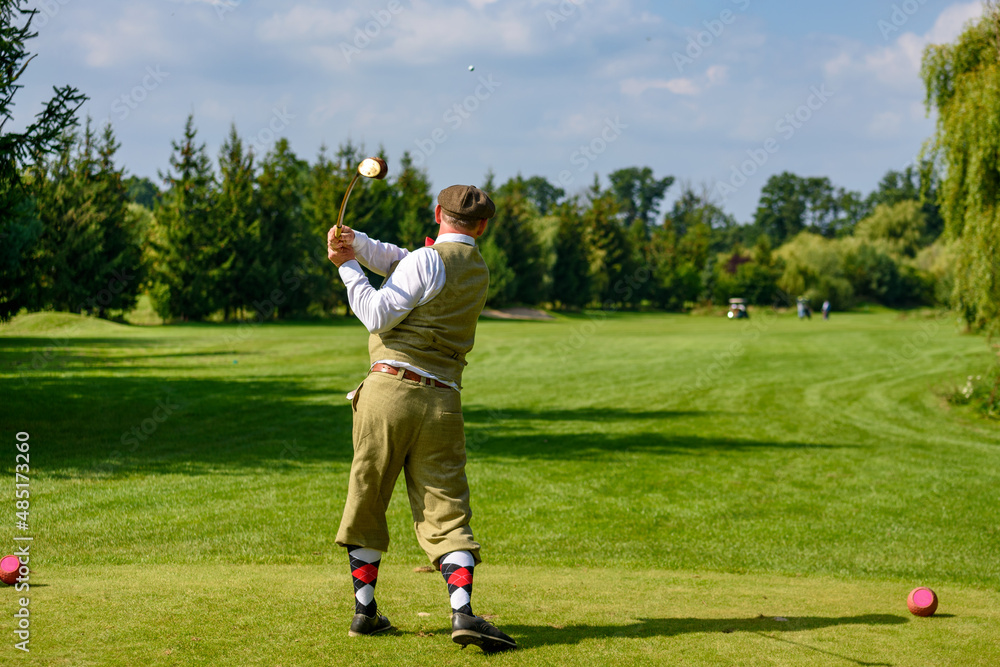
(472, 68)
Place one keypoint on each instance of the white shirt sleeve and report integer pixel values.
(376, 255)
(418, 279)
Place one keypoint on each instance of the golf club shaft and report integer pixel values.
(343, 205)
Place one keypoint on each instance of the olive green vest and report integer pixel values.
(437, 335)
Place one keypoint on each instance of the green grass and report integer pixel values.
(642, 484)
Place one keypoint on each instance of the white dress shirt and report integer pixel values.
(418, 278)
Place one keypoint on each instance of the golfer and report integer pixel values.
(408, 410)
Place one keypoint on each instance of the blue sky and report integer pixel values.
(719, 94)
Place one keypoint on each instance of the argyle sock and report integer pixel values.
(364, 569)
(457, 569)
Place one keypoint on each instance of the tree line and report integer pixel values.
(245, 236)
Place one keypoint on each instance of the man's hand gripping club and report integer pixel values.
(340, 249)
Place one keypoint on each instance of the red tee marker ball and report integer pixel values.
(8, 569)
(922, 602)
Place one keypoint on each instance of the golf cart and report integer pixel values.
(738, 310)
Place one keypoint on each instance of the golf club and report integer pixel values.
(370, 167)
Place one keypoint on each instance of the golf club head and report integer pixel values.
(373, 167)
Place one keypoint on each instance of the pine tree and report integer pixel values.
(69, 248)
(665, 261)
(283, 229)
(20, 227)
(122, 270)
(243, 274)
(415, 212)
(374, 205)
(512, 231)
(185, 274)
(571, 272)
(324, 191)
(610, 252)
(90, 259)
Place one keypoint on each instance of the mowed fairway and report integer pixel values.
(649, 489)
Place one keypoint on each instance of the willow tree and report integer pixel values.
(963, 86)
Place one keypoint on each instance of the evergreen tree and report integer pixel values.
(122, 270)
(963, 86)
(512, 231)
(415, 213)
(501, 275)
(185, 272)
(638, 239)
(89, 256)
(324, 192)
(20, 227)
(610, 255)
(571, 272)
(243, 268)
(374, 204)
(68, 251)
(284, 231)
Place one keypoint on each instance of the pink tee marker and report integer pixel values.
(922, 602)
(8, 569)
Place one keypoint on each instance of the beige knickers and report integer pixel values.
(403, 425)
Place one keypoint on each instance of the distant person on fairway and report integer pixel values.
(826, 310)
(408, 411)
(804, 310)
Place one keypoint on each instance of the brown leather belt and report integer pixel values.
(408, 375)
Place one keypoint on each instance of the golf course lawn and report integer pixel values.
(648, 489)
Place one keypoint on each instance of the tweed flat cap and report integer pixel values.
(466, 202)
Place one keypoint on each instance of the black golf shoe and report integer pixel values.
(369, 625)
(467, 630)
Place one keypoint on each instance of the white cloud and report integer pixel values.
(436, 34)
(686, 86)
(717, 74)
(898, 65)
(303, 22)
(417, 33)
(952, 21)
(681, 86)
